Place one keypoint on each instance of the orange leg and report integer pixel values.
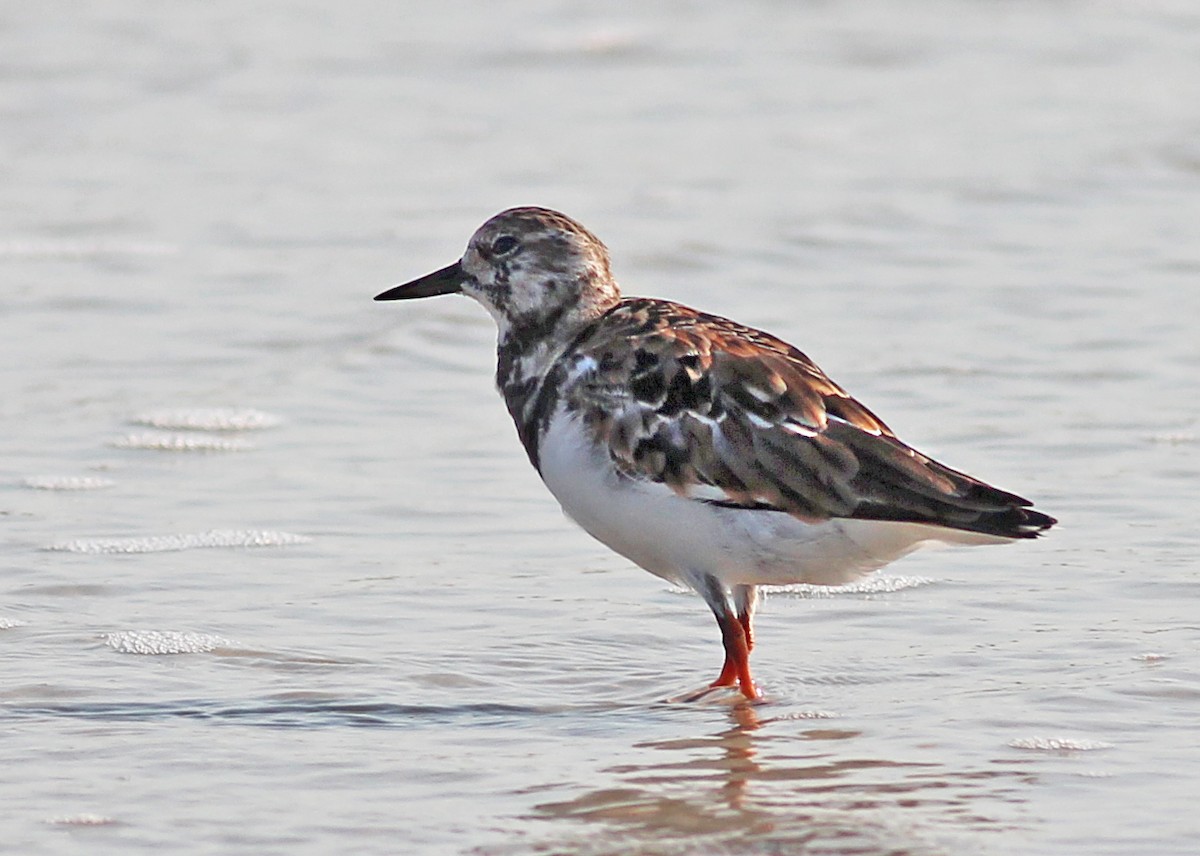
(734, 611)
(737, 656)
(737, 635)
(745, 598)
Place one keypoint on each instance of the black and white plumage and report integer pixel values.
(709, 453)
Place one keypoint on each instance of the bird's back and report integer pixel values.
(730, 415)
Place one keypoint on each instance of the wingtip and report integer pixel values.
(1033, 524)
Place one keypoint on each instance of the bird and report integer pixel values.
(712, 454)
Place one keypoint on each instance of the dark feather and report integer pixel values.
(699, 402)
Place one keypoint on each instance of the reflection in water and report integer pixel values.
(745, 789)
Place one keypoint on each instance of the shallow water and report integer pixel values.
(277, 577)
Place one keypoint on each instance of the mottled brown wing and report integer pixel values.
(728, 414)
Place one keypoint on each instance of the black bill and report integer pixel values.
(448, 280)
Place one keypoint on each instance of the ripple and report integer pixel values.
(10, 623)
(163, 642)
(312, 711)
(170, 543)
(208, 419)
(81, 249)
(66, 482)
(164, 442)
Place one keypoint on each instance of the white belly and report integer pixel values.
(676, 538)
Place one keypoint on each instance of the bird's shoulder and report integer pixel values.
(671, 361)
(713, 409)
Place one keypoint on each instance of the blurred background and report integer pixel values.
(276, 576)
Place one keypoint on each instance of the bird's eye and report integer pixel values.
(503, 244)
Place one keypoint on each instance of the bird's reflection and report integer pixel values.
(764, 781)
(738, 745)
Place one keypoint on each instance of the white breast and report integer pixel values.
(675, 538)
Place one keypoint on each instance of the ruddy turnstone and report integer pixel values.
(712, 454)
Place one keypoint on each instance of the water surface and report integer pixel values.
(277, 577)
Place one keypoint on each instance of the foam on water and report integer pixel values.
(181, 442)
(883, 584)
(1174, 438)
(163, 642)
(186, 541)
(208, 419)
(66, 482)
(82, 820)
(1058, 744)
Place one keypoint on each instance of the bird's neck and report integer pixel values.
(528, 344)
(523, 377)
(530, 366)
